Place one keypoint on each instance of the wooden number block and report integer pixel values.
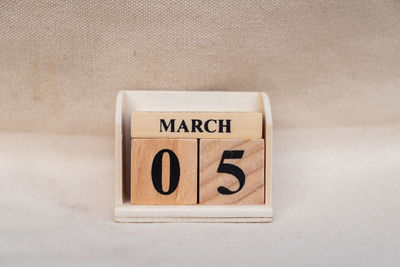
(164, 171)
(231, 171)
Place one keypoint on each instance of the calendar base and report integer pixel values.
(193, 213)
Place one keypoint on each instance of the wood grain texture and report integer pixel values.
(252, 164)
(143, 152)
(243, 125)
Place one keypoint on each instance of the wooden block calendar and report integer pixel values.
(193, 157)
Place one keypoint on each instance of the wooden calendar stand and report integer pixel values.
(186, 101)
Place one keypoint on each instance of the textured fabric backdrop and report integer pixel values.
(323, 63)
(331, 68)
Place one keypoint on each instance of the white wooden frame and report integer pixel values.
(206, 101)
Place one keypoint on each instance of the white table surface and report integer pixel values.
(336, 196)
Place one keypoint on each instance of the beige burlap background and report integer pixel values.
(331, 68)
(323, 63)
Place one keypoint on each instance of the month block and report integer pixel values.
(244, 125)
(164, 171)
(231, 171)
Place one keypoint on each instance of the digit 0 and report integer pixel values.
(174, 172)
